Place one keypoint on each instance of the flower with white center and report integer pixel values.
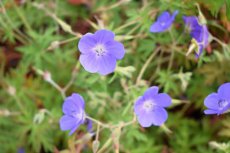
(99, 52)
(149, 108)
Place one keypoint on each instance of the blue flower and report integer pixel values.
(149, 108)
(74, 113)
(100, 51)
(89, 124)
(218, 103)
(164, 21)
(198, 32)
(21, 150)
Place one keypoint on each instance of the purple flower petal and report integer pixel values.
(174, 14)
(89, 62)
(197, 33)
(116, 49)
(164, 21)
(68, 122)
(224, 91)
(86, 43)
(157, 27)
(79, 100)
(199, 51)
(138, 105)
(106, 64)
(69, 106)
(89, 125)
(200, 34)
(190, 21)
(21, 150)
(159, 116)
(163, 100)
(103, 36)
(209, 112)
(73, 103)
(165, 16)
(150, 92)
(212, 101)
(74, 129)
(205, 35)
(156, 117)
(145, 118)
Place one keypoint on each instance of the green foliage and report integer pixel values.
(30, 106)
(214, 6)
(167, 80)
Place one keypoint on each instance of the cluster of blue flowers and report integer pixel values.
(199, 32)
(99, 53)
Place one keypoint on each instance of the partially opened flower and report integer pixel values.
(218, 103)
(100, 51)
(89, 125)
(74, 113)
(198, 32)
(163, 22)
(149, 108)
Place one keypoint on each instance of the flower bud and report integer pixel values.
(201, 17)
(54, 45)
(47, 76)
(11, 90)
(96, 145)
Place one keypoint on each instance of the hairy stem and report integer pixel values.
(146, 65)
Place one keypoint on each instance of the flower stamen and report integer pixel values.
(99, 49)
(148, 105)
(222, 103)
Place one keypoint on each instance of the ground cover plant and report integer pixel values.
(129, 76)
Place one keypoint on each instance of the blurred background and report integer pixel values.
(39, 67)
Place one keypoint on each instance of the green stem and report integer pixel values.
(172, 54)
(224, 45)
(98, 122)
(125, 25)
(19, 103)
(106, 145)
(108, 126)
(146, 65)
(73, 77)
(56, 86)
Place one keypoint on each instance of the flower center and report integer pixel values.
(99, 49)
(222, 103)
(148, 105)
(79, 115)
(162, 23)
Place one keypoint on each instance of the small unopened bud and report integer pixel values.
(192, 46)
(126, 71)
(4, 113)
(11, 90)
(126, 1)
(220, 146)
(47, 76)
(201, 17)
(23, 1)
(54, 45)
(66, 27)
(166, 129)
(96, 145)
(40, 116)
